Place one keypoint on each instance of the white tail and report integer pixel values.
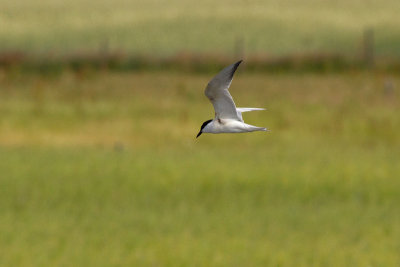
(261, 129)
(252, 128)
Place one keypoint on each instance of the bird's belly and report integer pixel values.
(230, 126)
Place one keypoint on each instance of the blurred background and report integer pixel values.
(100, 103)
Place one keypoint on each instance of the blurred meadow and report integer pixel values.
(101, 167)
(160, 27)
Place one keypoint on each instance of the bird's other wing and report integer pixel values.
(248, 109)
(217, 92)
(241, 110)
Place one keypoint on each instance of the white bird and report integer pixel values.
(228, 118)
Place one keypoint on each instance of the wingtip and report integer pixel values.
(233, 68)
(236, 65)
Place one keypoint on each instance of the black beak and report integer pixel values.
(199, 134)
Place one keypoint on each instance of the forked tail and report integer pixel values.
(252, 128)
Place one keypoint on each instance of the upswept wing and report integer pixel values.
(217, 92)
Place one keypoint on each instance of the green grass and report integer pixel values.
(165, 27)
(199, 206)
(104, 169)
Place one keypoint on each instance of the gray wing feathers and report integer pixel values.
(217, 92)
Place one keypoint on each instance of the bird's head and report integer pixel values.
(202, 127)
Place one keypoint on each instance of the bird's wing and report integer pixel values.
(217, 92)
(248, 109)
(241, 110)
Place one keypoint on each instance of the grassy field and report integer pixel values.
(103, 169)
(166, 27)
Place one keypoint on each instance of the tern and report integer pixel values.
(228, 118)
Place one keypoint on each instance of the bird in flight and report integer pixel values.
(228, 118)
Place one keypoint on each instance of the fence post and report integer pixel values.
(239, 48)
(368, 48)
